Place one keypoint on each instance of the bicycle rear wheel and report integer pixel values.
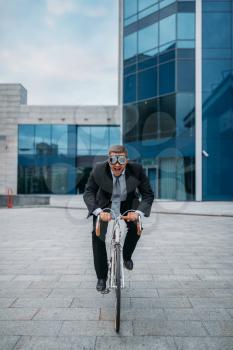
(118, 289)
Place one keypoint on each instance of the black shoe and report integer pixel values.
(128, 264)
(101, 285)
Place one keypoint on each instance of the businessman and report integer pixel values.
(119, 184)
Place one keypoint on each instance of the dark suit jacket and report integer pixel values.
(98, 191)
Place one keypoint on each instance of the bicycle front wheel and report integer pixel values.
(118, 288)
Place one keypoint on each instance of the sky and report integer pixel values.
(64, 52)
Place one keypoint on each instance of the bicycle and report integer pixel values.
(116, 278)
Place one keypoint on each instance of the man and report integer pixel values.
(116, 183)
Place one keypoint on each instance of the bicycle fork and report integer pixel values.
(113, 269)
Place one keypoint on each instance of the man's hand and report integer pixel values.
(132, 216)
(104, 216)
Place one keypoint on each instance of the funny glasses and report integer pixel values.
(114, 159)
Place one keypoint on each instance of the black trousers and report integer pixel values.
(99, 247)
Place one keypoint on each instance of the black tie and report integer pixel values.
(116, 196)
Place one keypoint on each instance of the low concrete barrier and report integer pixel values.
(24, 200)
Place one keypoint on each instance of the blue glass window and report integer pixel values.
(212, 6)
(99, 140)
(186, 26)
(43, 139)
(114, 135)
(84, 140)
(60, 138)
(165, 3)
(147, 84)
(221, 36)
(130, 20)
(148, 38)
(148, 11)
(26, 139)
(167, 78)
(142, 4)
(167, 29)
(130, 8)
(214, 72)
(130, 88)
(130, 46)
(186, 75)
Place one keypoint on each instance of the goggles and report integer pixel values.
(120, 159)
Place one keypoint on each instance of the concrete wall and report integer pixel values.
(11, 97)
(14, 110)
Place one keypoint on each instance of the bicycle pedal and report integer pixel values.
(105, 291)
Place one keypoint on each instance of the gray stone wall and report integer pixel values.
(14, 110)
(11, 97)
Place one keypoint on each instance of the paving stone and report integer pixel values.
(168, 328)
(36, 278)
(135, 343)
(6, 302)
(204, 343)
(195, 292)
(220, 328)
(8, 342)
(94, 328)
(42, 302)
(102, 301)
(17, 314)
(128, 314)
(68, 314)
(224, 303)
(198, 314)
(147, 303)
(39, 328)
(26, 293)
(58, 343)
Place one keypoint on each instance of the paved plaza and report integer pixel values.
(178, 297)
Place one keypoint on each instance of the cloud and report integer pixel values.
(64, 66)
(62, 7)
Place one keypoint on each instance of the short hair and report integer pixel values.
(118, 149)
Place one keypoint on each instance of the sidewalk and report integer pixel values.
(178, 297)
(165, 207)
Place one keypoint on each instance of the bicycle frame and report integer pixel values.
(115, 241)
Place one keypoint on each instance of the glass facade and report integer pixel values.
(159, 93)
(57, 159)
(217, 95)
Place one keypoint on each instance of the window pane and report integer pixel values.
(148, 38)
(167, 29)
(166, 3)
(186, 26)
(26, 139)
(214, 72)
(130, 8)
(167, 118)
(114, 136)
(186, 75)
(43, 139)
(99, 140)
(148, 120)
(142, 4)
(221, 36)
(59, 138)
(147, 84)
(84, 140)
(130, 88)
(167, 78)
(148, 11)
(130, 45)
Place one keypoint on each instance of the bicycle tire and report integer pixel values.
(118, 289)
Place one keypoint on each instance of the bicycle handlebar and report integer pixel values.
(121, 216)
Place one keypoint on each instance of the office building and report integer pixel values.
(176, 83)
